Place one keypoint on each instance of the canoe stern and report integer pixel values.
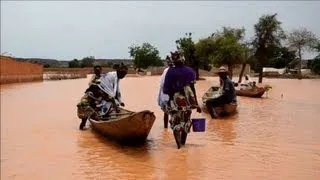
(135, 127)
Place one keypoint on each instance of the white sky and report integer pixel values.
(68, 30)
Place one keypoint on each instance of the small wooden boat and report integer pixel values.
(254, 93)
(226, 109)
(125, 126)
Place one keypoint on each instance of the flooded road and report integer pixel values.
(270, 138)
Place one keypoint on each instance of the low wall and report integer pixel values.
(60, 76)
(13, 71)
(81, 70)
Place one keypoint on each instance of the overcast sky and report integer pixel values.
(67, 30)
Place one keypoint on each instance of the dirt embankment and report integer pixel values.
(13, 71)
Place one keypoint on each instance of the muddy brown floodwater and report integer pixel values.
(270, 138)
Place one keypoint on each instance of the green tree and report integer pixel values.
(282, 57)
(145, 55)
(302, 40)
(107, 64)
(225, 47)
(186, 46)
(204, 48)
(268, 35)
(228, 51)
(248, 54)
(46, 65)
(237, 33)
(87, 61)
(315, 67)
(74, 63)
(317, 47)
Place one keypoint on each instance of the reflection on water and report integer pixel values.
(269, 138)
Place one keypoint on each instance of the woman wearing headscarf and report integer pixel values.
(179, 86)
(163, 99)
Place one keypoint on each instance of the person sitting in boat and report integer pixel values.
(100, 98)
(102, 105)
(107, 89)
(88, 103)
(97, 74)
(179, 86)
(163, 99)
(226, 95)
(246, 84)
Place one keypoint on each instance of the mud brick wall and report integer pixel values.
(87, 70)
(13, 71)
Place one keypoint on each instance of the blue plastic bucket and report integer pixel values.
(198, 124)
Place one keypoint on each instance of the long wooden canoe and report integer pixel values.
(255, 93)
(226, 109)
(126, 126)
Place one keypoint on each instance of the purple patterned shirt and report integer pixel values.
(177, 78)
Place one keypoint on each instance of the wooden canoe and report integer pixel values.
(126, 126)
(226, 109)
(254, 93)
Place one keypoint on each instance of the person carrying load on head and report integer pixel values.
(226, 93)
(179, 86)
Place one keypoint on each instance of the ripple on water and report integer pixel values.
(269, 138)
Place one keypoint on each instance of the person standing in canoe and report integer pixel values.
(179, 86)
(109, 83)
(227, 93)
(97, 74)
(106, 88)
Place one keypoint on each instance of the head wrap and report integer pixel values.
(176, 57)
